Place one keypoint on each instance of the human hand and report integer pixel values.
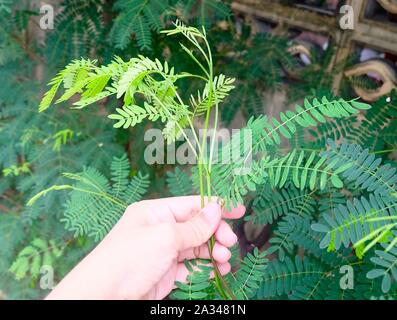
(142, 256)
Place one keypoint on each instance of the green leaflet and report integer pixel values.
(269, 205)
(137, 18)
(221, 88)
(305, 171)
(246, 281)
(95, 205)
(385, 267)
(309, 115)
(355, 220)
(71, 77)
(361, 167)
(179, 183)
(197, 286)
(32, 258)
(280, 278)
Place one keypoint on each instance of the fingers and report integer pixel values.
(220, 253)
(182, 272)
(193, 234)
(235, 213)
(200, 252)
(225, 235)
(199, 229)
(224, 268)
(184, 208)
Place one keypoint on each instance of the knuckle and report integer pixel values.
(135, 207)
(130, 207)
(198, 251)
(140, 204)
(197, 229)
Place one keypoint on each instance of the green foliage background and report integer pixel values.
(316, 225)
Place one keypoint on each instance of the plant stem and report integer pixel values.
(205, 168)
(220, 282)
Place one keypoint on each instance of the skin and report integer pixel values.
(142, 256)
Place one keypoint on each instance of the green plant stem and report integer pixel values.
(64, 187)
(384, 151)
(217, 274)
(203, 168)
(220, 282)
(179, 127)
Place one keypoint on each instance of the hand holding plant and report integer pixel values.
(144, 254)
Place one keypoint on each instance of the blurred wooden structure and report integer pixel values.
(366, 32)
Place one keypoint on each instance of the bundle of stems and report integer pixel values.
(204, 163)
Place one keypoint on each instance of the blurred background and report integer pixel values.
(279, 52)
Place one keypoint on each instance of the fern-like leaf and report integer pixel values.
(247, 279)
(308, 115)
(386, 267)
(95, 205)
(282, 278)
(179, 182)
(197, 286)
(31, 258)
(305, 171)
(365, 169)
(269, 204)
(221, 88)
(139, 18)
(358, 221)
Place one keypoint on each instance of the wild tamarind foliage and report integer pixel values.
(149, 89)
(320, 177)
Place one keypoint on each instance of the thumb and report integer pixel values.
(200, 228)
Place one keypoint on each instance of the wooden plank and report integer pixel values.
(383, 39)
(288, 15)
(375, 34)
